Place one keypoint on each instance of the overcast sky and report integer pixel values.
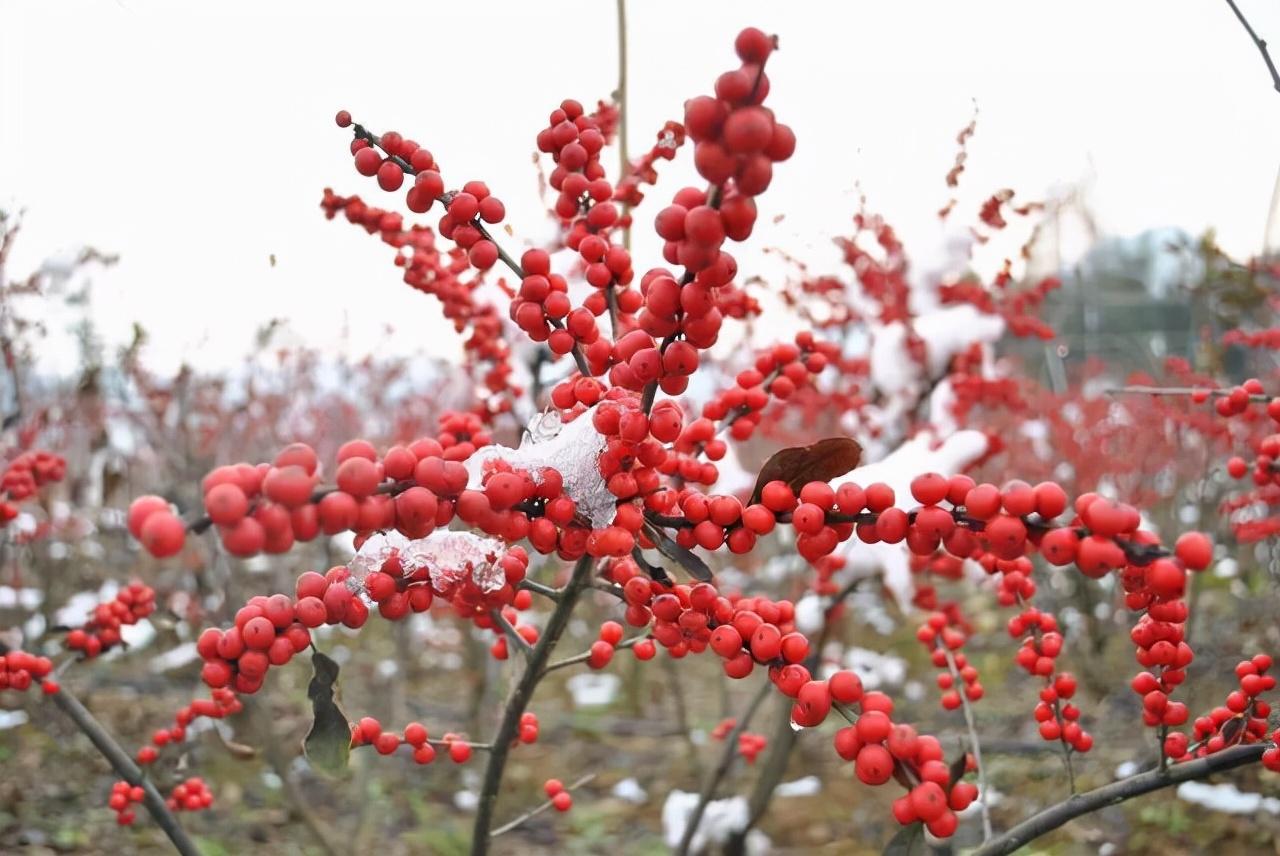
(194, 138)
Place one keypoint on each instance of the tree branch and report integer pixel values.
(518, 701)
(1118, 792)
(1261, 44)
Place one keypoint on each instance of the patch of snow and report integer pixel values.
(175, 658)
(12, 718)
(1226, 798)
(466, 800)
(876, 670)
(23, 598)
(593, 689)
(721, 819)
(808, 786)
(629, 790)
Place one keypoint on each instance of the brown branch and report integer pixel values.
(518, 701)
(586, 655)
(1118, 792)
(1260, 43)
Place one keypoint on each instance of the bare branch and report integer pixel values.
(1118, 792)
(1261, 44)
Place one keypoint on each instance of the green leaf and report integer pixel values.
(908, 842)
(328, 743)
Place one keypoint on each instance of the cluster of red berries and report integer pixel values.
(102, 631)
(560, 797)
(18, 670)
(642, 170)
(222, 702)
(466, 210)
(268, 632)
(369, 732)
(736, 138)
(190, 795)
(1242, 719)
(440, 274)
(602, 649)
(123, 797)
(30, 471)
(881, 748)
(750, 744)
(943, 634)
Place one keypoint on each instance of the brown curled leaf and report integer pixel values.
(797, 466)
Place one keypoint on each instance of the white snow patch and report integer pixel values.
(629, 790)
(805, 787)
(593, 689)
(1227, 798)
(12, 718)
(175, 658)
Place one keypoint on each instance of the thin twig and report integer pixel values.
(1261, 44)
(1178, 390)
(534, 812)
(1118, 792)
(586, 655)
(624, 159)
(538, 588)
(973, 743)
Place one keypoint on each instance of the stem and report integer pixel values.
(534, 812)
(624, 160)
(538, 588)
(721, 770)
(586, 655)
(518, 700)
(1178, 390)
(973, 742)
(1118, 792)
(1261, 44)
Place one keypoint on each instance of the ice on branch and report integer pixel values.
(449, 558)
(571, 448)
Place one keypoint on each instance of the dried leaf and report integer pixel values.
(797, 466)
(908, 842)
(958, 768)
(695, 567)
(328, 743)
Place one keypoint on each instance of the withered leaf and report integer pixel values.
(328, 743)
(695, 567)
(797, 466)
(656, 572)
(958, 768)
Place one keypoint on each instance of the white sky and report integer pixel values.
(194, 138)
